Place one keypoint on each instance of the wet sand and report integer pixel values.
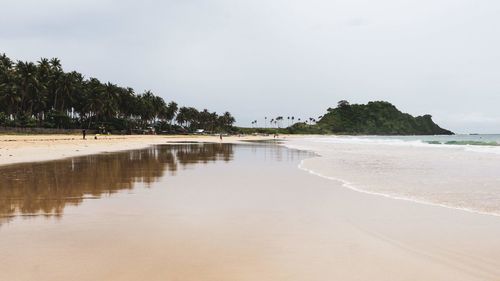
(225, 212)
(30, 148)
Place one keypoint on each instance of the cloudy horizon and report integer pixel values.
(270, 58)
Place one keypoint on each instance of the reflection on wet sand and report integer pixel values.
(255, 218)
(47, 188)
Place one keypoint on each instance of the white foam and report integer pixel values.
(399, 142)
(321, 147)
(351, 186)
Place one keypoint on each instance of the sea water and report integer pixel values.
(461, 171)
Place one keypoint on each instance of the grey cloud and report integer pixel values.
(268, 58)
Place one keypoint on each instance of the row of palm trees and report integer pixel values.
(43, 95)
(277, 122)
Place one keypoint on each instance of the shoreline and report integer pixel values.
(284, 224)
(350, 186)
(22, 149)
(381, 162)
(17, 149)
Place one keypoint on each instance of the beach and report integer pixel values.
(222, 211)
(30, 148)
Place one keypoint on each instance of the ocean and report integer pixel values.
(460, 171)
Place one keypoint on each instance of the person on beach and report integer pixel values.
(84, 133)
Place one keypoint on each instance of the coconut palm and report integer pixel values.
(278, 120)
(170, 112)
(55, 73)
(93, 107)
(43, 91)
(27, 86)
(68, 88)
(182, 116)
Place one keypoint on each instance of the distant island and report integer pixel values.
(373, 118)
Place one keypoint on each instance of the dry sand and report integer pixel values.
(30, 148)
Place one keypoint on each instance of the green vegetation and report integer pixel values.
(265, 131)
(374, 118)
(43, 95)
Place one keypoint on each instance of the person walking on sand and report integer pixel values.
(84, 133)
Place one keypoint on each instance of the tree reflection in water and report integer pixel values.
(47, 188)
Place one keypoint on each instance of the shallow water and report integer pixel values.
(159, 212)
(413, 168)
(47, 188)
(217, 212)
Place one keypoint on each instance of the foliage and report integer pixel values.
(376, 118)
(3, 119)
(266, 131)
(43, 95)
(304, 128)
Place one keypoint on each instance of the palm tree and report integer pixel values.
(126, 102)
(279, 119)
(193, 118)
(55, 78)
(44, 72)
(159, 106)
(94, 103)
(171, 111)
(110, 96)
(146, 108)
(5, 62)
(182, 116)
(254, 123)
(67, 89)
(28, 87)
(45, 92)
(9, 100)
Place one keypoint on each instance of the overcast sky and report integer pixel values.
(278, 57)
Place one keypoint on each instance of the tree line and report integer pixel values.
(278, 121)
(41, 94)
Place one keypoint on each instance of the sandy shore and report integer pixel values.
(254, 216)
(31, 148)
